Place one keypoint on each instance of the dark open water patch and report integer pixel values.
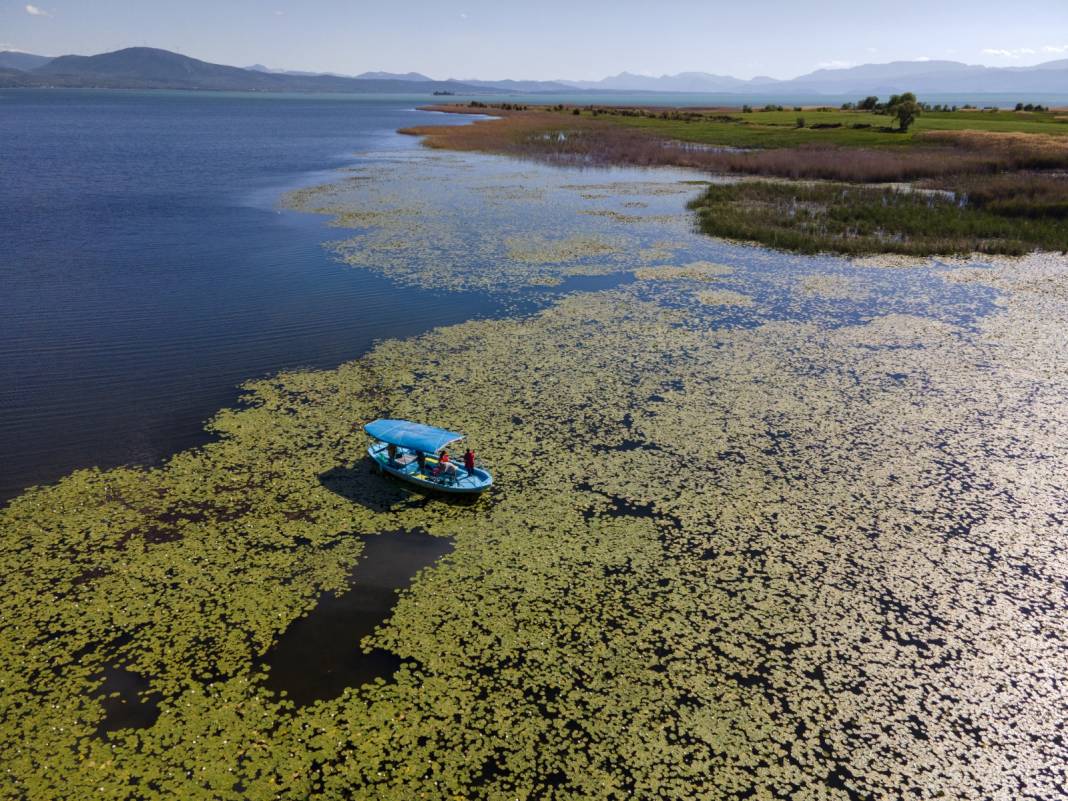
(319, 655)
(127, 701)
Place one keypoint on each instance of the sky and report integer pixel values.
(546, 39)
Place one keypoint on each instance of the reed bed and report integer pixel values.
(844, 218)
(548, 136)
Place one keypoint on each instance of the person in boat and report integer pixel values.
(391, 451)
(445, 465)
(469, 462)
(420, 457)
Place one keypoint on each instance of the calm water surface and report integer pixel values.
(145, 269)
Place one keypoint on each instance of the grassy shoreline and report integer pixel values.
(1001, 175)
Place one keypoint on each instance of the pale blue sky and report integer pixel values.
(577, 39)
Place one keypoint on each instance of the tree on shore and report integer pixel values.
(869, 103)
(905, 109)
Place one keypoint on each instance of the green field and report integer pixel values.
(779, 128)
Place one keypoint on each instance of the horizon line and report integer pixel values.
(625, 72)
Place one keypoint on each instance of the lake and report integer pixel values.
(145, 270)
(762, 523)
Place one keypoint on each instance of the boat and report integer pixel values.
(398, 446)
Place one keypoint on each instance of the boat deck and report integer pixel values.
(406, 466)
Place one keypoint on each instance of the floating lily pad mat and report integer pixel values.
(815, 553)
(450, 221)
(473, 222)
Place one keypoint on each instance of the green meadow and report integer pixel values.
(779, 128)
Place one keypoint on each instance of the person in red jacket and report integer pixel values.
(469, 462)
(445, 465)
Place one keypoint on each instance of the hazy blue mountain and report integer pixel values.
(393, 76)
(150, 68)
(300, 73)
(12, 77)
(376, 76)
(1060, 64)
(149, 65)
(879, 72)
(880, 79)
(14, 60)
(932, 77)
(510, 85)
(683, 82)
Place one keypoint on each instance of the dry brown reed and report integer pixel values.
(550, 136)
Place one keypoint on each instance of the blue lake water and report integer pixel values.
(145, 269)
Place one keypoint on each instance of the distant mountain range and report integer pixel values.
(149, 68)
(13, 60)
(369, 76)
(683, 82)
(932, 77)
(510, 85)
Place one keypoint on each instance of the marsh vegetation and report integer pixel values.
(1006, 170)
(830, 216)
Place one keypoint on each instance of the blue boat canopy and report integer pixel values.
(411, 435)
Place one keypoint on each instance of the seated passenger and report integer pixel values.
(445, 466)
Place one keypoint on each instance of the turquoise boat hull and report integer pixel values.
(406, 468)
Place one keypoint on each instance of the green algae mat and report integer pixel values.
(815, 551)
